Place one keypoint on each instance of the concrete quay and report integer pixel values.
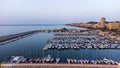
(58, 66)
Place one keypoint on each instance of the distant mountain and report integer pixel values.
(92, 22)
(107, 22)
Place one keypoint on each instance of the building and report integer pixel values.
(95, 26)
(114, 26)
(102, 23)
(98, 25)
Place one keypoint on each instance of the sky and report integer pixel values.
(57, 11)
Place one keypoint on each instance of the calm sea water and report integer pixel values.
(32, 46)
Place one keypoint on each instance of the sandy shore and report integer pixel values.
(58, 66)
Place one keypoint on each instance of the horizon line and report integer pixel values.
(27, 24)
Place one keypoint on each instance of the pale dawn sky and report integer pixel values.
(57, 11)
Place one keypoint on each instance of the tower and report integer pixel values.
(102, 23)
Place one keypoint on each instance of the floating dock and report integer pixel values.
(85, 40)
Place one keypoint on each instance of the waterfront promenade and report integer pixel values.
(58, 66)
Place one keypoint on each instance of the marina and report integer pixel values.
(76, 41)
(59, 33)
(69, 47)
(83, 40)
(49, 59)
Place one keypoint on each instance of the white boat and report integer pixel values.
(68, 60)
(57, 60)
(48, 58)
(51, 59)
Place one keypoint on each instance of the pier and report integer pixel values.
(14, 37)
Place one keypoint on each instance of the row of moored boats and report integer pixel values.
(21, 59)
(101, 61)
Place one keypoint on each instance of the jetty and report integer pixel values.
(14, 37)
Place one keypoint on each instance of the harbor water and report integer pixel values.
(32, 46)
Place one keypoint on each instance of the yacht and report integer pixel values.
(48, 58)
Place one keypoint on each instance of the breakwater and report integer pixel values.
(14, 37)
